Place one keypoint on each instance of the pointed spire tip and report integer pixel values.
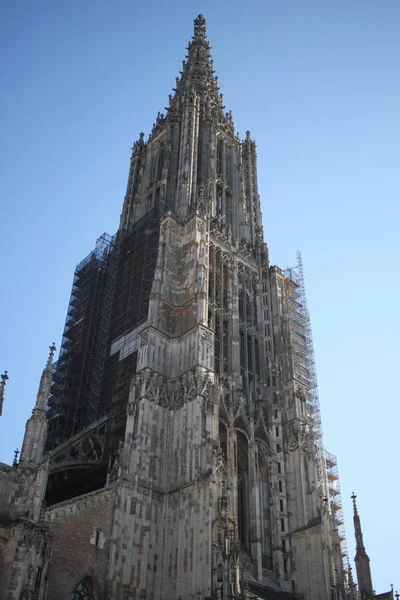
(51, 354)
(200, 30)
(4, 378)
(353, 497)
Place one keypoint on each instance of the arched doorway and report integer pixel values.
(84, 590)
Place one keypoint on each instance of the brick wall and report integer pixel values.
(81, 531)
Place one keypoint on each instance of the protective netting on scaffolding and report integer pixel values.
(75, 391)
(303, 362)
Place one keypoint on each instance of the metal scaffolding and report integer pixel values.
(137, 261)
(303, 362)
(335, 502)
(75, 391)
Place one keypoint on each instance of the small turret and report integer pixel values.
(352, 585)
(4, 378)
(36, 426)
(361, 559)
(45, 382)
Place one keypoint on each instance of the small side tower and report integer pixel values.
(25, 539)
(361, 558)
(36, 426)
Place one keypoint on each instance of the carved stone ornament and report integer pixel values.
(172, 394)
(132, 405)
(206, 337)
(293, 436)
(144, 339)
(90, 448)
(299, 393)
(33, 536)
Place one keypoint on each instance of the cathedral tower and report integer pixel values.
(183, 448)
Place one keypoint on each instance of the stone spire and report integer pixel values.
(4, 378)
(36, 426)
(361, 559)
(197, 75)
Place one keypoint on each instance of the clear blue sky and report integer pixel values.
(318, 85)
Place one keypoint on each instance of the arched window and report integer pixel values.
(84, 590)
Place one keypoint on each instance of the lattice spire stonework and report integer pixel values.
(197, 75)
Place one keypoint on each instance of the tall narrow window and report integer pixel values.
(199, 159)
(153, 167)
(217, 342)
(160, 161)
(229, 166)
(211, 276)
(225, 340)
(242, 354)
(257, 356)
(243, 492)
(226, 282)
(219, 158)
(219, 205)
(249, 355)
(38, 578)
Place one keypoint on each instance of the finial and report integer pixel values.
(4, 378)
(397, 595)
(353, 497)
(51, 354)
(15, 461)
(199, 28)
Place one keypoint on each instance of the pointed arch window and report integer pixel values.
(84, 590)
